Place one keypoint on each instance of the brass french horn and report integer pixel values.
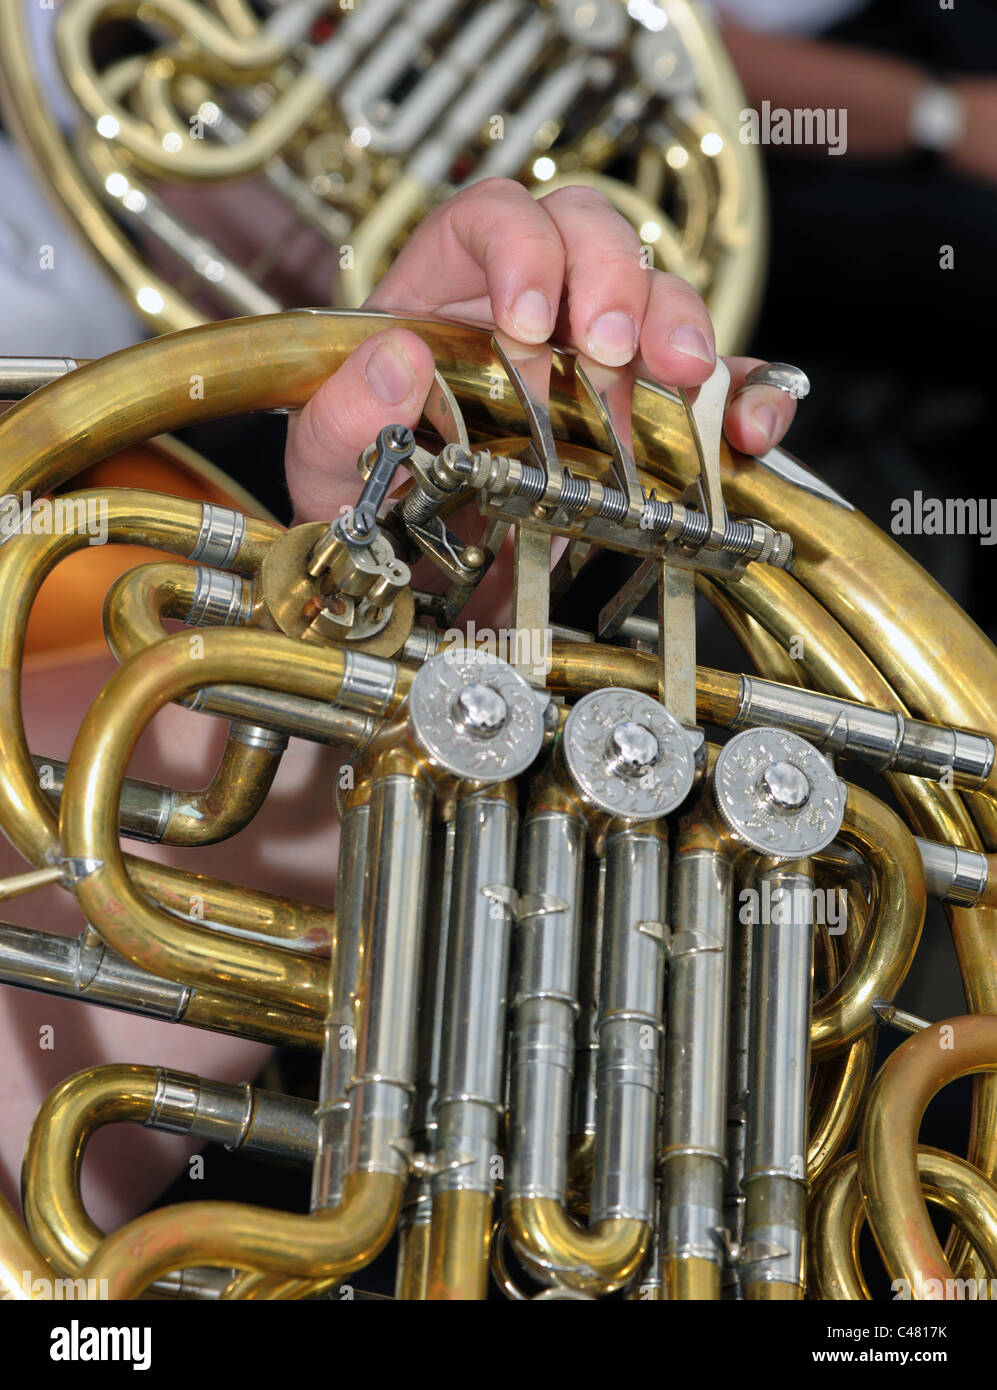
(555, 1032)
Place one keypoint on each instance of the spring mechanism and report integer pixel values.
(658, 516)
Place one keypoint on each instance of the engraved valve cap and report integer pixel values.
(777, 794)
(627, 755)
(475, 716)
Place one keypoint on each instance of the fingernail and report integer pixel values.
(612, 339)
(533, 316)
(388, 373)
(765, 419)
(688, 340)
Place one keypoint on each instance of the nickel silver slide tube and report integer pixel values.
(471, 1092)
(381, 1089)
(610, 1252)
(545, 1005)
(413, 1236)
(582, 1141)
(346, 963)
(738, 1066)
(693, 1157)
(775, 1179)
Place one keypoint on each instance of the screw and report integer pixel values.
(481, 710)
(786, 785)
(632, 748)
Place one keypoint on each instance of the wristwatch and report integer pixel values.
(937, 118)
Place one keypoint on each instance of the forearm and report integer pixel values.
(875, 89)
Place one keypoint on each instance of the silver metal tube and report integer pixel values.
(776, 1140)
(383, 1083)
(240, 1117)
(738, 1080)
(223, 529)
(144, 810)
(544, 1004)
(953, 874)
(880, 738)
(221, 599)
(630, 1028)
(432, 1012)
(288, 714)
(83, 968)
(19, 376)
(694, 1121)
(340, 1044)
(56, 965)
(586, 1027)
(472, 1080)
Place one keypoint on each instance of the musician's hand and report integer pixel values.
(567, 266)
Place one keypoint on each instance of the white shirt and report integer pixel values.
(54, 299)
(789, 16)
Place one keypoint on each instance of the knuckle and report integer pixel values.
(674, 286)
(491, 188)
(580, 198)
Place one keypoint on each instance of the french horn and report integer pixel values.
(343, 124)
(584, 1026)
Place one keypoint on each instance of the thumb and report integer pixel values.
(385, 381)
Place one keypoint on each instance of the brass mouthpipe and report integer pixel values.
(96, 769)
(90, 1100)
(837, 1216)
(887, 1146)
